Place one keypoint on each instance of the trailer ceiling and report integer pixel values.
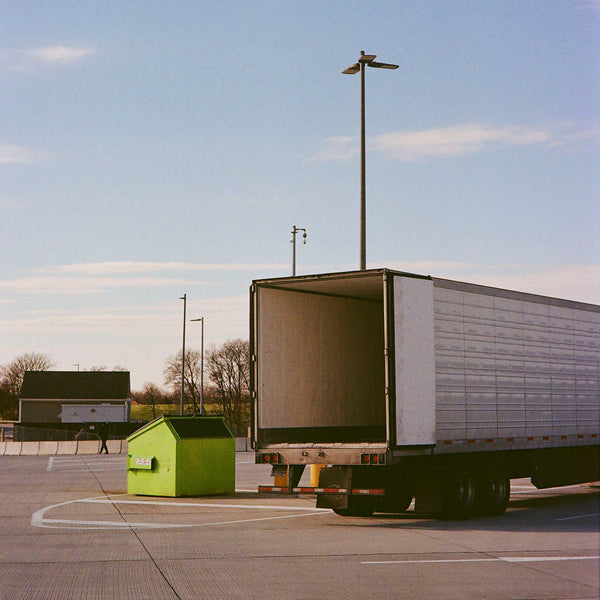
(364, 285)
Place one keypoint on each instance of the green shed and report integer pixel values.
(181, 456)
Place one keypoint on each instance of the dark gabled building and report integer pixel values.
(75, 397)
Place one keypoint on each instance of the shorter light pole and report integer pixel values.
(295, 230)
(184, 298)
(201, 319)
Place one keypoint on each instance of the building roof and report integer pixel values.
(76, 385)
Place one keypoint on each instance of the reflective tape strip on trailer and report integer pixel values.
(273, 488)
(366, 492)
(316, 490)
(301, 490)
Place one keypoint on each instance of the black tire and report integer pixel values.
(460, 495)
(402, 502)
(397, 501)
(493, 492)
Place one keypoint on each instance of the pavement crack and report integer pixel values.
(135, 533)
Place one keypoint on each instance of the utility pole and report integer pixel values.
(184, 298)
(201, 319)
(295, 230)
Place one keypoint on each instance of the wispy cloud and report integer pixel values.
(573, 282)
(25, 60)
(228, 317)
(441, 142)
(128, 267)
(73, 286)
(12, 154)
(339, 148)
(98, 278)
(59, 55)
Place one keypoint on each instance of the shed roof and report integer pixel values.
(69, 385)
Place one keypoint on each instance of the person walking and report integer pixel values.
(103, 433)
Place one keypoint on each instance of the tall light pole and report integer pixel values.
(365, 60)
(184, 298)
(295, 230)
(201, 319)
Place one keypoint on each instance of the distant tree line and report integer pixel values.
(226, 383)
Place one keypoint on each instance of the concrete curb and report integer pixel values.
(88, 447)
(30, 448)
(66, 448)
(12, 448)
(48, 448)
(45, 448)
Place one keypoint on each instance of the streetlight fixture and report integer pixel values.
(184, 298)
(201, 319)
(295, 230)
(365, 60)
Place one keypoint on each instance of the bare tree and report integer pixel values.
(151, 395)
(11, 375)
(172, 374)
(229, 370)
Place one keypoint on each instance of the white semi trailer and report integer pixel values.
(407, 386)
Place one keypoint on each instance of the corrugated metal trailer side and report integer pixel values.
(514, 370)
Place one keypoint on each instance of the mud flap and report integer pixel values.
(334, 477)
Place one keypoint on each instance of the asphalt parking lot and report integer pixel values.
(68, 530)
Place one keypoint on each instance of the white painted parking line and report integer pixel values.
(38, 518)
(83, 462)
(509, 559)
(578, 517)
(204, 504)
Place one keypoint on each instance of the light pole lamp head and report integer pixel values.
(369, 61)
(352, 69)
(367, 58)
(380, 65)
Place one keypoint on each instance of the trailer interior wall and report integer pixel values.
(320, 373)
(511, 365)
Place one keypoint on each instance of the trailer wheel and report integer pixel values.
(357, 507)
(493, 492)
(402, 502)
(397, 500)
(460, 495)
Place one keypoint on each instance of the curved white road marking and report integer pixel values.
(39, 520)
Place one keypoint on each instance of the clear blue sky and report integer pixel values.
(150, 149)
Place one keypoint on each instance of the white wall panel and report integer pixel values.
(415, 361)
